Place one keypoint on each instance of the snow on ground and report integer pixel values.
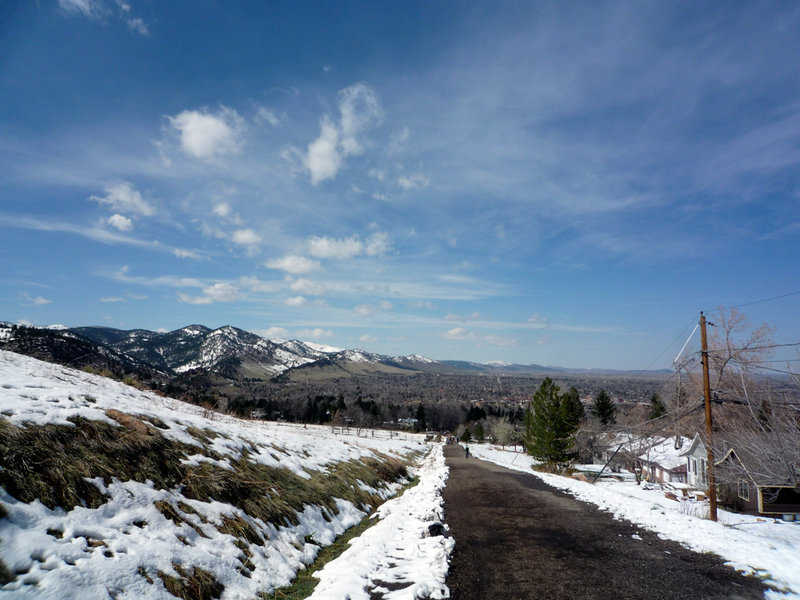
(398, 551)
(767, 548)
(113, 550)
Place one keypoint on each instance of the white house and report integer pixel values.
(697, 464)
(664, 461)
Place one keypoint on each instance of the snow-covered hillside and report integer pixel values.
(140, 538)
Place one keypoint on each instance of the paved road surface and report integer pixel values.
(518, 538)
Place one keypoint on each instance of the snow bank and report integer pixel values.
(397, 552)
(763, 547)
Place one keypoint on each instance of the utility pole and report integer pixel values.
(712, 484)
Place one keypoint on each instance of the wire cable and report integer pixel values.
(764, 300)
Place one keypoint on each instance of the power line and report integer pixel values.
(671, 344)
(764, 300)
(768, 347)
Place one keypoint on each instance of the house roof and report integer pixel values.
(665, 455)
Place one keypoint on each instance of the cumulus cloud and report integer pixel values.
(181, 253)
(296, 301)
(296, 265)
(124, 198)
(112, 299)
(350, 247)
(367, 339)
(223, 209)
(386, 305)
(218, 292)
(255, 284)
(413, 182)
(316, 333)
(365, 310)
(247, 238)
(324, 159)
(120, 222)
(458, 333)
(309, 288)
(273, 333)
(359, 109)
(325, 247)
(208, 136)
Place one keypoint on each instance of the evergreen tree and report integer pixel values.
(604, 408)
(573, 411)
(479, 433)
(549, 434)
(657, 408)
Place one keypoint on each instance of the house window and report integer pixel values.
(744, 489)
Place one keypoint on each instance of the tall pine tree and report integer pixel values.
(604, 408)
(550, 427)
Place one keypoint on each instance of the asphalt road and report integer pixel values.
(518, 538)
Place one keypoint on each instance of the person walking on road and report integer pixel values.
(466, 451)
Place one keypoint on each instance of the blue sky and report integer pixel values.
(559, 183)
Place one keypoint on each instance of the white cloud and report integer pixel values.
(264, 116)
(112, 299)
(92, 9)
(386, 305)
(223, 209)
(471, 317)
(331, 248)
(458, 333)
(423, 304)
(296, 265)
(99, 10)
(137, 25)
(207, 136)
(296, 301)
(377, 244)
(359, 109)
(38, 300)
(367, 339)
(257, 285)
(273, 333)
(123, 197)
(537, 318)
(413, 182)
(248, 238)
(316, 333)
(218, 292)
(323, 159)
(398, 140)
(325, 247)
(180, 253)
(498, 340)
(365, 310)
(120, 222)
(309, 288)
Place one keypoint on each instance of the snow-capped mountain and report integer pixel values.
(227, 351)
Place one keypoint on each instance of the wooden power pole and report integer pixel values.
(712, 484)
